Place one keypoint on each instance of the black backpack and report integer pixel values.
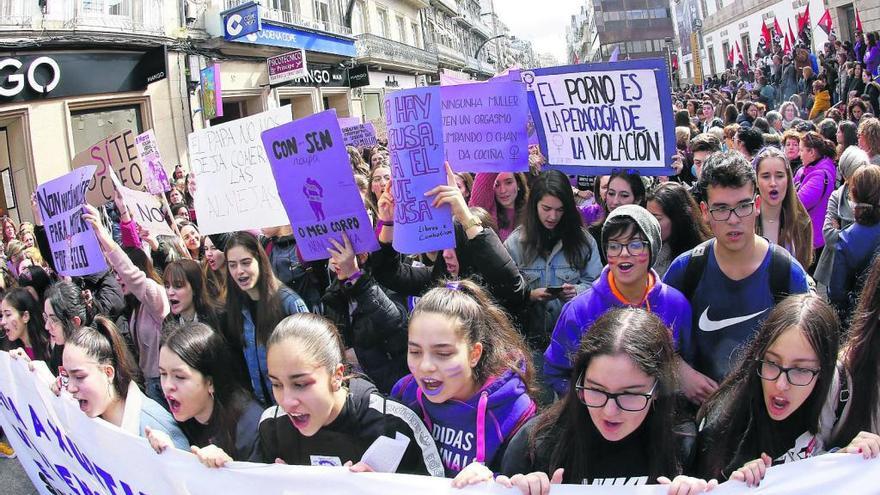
(780, 271)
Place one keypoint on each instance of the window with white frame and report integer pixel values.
(401, 29)
(384, 28)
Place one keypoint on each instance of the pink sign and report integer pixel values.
(287, 66)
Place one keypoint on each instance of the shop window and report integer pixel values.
(231, 111)
(91, 125)
(372, 104)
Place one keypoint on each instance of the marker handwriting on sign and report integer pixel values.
(316, 141)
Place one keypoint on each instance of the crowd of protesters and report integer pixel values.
(680, 330)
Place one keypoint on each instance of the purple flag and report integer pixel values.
(316, 185)
(75, 248)
(415, 140)
(484, 127)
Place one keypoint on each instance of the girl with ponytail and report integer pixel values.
(471, 374)
(101, 375)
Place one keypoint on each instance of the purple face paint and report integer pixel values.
(454, 371)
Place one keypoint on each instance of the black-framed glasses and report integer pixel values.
(634, 247)
(722, 213)
(626, 401)
(801, 377)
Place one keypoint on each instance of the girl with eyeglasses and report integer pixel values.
(769, 410)
(631, 241)
(616, 421)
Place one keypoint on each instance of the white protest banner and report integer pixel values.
(117, 152)
(360, 135)
(595, 118)
(154, 171)
(75, 249)
(236, 189)
(65, 452)
(145, 209)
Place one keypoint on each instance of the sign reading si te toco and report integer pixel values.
(317, 186)
(119, 153)
(595, 118)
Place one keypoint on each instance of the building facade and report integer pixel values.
(728, 25)
(391, 47)
(75, 71)
(633, 28)
(456, 32)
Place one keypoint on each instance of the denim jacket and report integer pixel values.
(540, 317)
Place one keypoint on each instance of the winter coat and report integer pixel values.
(365, 417)
(853, 256)
(579, 313)
(145, 324)
(839, 209)
(821, 103)
(872, 59)
(482, 257)
(814, 184)
(540, 317)
(373, 325)
(474, 430)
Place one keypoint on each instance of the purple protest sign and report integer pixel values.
(360, 135)
(484, 127)
(75, 248)
(415, 142)
(348, 121)
(317, 186)
(151, 159)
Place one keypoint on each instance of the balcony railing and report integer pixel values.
(293, 18)
(129, 16)
(376, 48)
(449, 55)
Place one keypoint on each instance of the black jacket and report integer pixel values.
(376, 329)
(365, 417)
(483, 257)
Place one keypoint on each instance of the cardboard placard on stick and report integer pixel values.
(117, 152)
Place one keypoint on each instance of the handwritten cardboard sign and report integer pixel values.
(415, 142)
(236, 189)
(317, 186)
(117, 152)
(75, 248)
(595, 118)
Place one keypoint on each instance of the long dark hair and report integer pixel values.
(644, 338)
(102, 342)
(206, 351)
(187, 271)
(140, 259)
(688, 229)
(861, 357)
(537, 240)
(22, 301)
(744, 429)
(479, 319)
(67, 303)
(269, 306)
(635, 183)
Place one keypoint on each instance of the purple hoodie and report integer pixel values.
(814, 184)
(473, 430)
(578, 314)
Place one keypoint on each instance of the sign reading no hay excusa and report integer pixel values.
(592, 119)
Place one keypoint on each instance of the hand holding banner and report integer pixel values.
(75, 249)
(316, 185)
(415, 141)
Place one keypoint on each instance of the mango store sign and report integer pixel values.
(595, 118)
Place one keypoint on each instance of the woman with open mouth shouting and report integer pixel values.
(631, 239)
(256, 302)
(783, 220)
(187, 297)
(101, 376)
(616, 424)
(213, 409)
(22, 324)
(783, 398)
(471, 375)
(325, 417)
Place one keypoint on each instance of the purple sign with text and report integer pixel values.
(317, 186)
(360, 135)
(74, 246)
(484, 127)
(415, 141)
(148, 151)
